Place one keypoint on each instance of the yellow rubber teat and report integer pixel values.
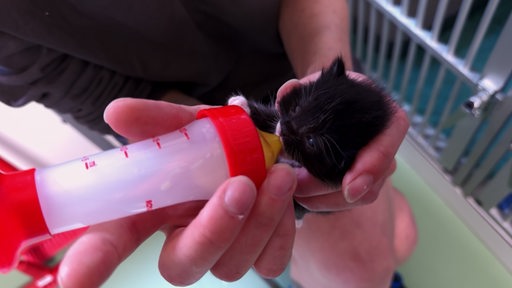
(271, 144)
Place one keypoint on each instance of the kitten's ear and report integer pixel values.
(337, 68)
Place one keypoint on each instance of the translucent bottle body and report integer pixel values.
(185, 165)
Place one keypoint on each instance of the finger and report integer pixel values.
(294, 83)
(336, 201)
(373, 161)
(190, 252)
(274, 198)
(277, 253)
(356, 76)
(101, 247)
(391, 168)
(90, 252)
(138, 119)
(311, 77)
(285, 89)
(310, 186)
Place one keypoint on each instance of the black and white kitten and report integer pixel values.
(323, 124)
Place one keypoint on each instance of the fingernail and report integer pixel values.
(239, 196)
(358, 188)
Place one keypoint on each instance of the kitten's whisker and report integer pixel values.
(329, 140)
(329, 149)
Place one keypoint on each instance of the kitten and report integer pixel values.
(323, 124)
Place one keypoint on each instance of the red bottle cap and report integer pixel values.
(21, 216)
(240, 140)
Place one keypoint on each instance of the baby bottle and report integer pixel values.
(184, 165)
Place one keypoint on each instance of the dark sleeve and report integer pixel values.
(30, 72)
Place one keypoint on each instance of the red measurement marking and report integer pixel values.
(88, 162)
(149, 205)
(184, 132)
(124, 149)
(156, 140)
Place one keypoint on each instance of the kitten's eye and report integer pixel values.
(311, 142)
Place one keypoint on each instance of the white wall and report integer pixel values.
(33, 136)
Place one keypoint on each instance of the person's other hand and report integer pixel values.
(362, 183)
(238, 228)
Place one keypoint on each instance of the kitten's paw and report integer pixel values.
(241, 101)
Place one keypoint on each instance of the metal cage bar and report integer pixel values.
(498, 69)
(479, 34)
(411, 54)
(438, 20)
(497, 116)
(492, 192)
(462, 16)
(424, 39)
(431, 76)
(433, 100)
(383, 48)
(425, 66)
(397, 49)
(370, 48)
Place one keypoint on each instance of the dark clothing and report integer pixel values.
(76, 56)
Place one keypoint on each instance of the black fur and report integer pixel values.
(325, 123)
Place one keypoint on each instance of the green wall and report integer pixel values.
(448, 253)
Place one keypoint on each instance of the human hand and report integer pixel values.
(372, 166)
(239, 227)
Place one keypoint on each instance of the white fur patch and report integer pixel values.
(241, 101)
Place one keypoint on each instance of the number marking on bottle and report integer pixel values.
(156, 140)
(124, 149)
(184, 131)
(88, 163)
(149, 205)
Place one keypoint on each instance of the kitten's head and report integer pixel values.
(325, 123)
